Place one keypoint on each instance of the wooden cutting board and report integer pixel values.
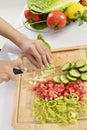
(23, 118)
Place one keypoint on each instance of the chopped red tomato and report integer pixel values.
(51, 90)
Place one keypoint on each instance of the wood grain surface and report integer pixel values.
(23, 118)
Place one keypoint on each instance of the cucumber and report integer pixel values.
(84, 76)
(72, 65)
(57, 79)
(66, 66)
(70, 78)
(83, 69)
(80, 63)
(64, 79)
(74, 73)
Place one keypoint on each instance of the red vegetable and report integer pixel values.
(51, 90)
(34, 17)
(56, 20)
(83, 2)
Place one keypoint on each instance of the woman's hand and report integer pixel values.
(37, 52)
(6, 69)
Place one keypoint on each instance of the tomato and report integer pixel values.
(83, 2)
(56, 20)
(34, 17)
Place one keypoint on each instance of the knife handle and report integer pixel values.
(17, 71)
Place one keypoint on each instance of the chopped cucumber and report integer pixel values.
(57, 79)
(66, 66)
(84, 76)
(83, 69)
(74, 73)
(70, 78)
(64, 79)
(80, 63)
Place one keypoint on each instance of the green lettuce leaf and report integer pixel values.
(46, 6)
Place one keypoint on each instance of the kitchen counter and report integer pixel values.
(72, 35)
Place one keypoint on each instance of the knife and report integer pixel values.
(43, 69)
(18, 71)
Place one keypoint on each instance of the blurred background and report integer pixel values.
(11, 9)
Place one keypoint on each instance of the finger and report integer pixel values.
(34, 62)
(17, 62)
(4, 77)
(12, 75)
(36, 56)
(49, 58)
(44, 57)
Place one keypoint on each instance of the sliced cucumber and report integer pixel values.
(64, 79)
(80, 63)
(57, 79)
(84, 76)
(74, 73)
(70, 78)
(72, 65)
(66, 66)
(83, 69)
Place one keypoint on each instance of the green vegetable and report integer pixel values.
(83, 69)
(38, 25)
(46, 6)
(84, 76)
(57, 79)
(40, 37)
(68, 66)
(80, 63)
(64, 79)
(74, 73)
(60, 110)
(70, 78)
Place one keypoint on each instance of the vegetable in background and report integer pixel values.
(84, 2)
(56, 20)
(73, 9)
(46, 6)
(34, 17)
(40, 37)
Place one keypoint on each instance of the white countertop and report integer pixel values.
(72, 35)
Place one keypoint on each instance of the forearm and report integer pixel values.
(11, 33)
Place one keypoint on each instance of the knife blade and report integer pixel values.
(43, 69)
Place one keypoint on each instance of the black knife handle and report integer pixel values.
(17, 71)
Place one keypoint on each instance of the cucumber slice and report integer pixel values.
(66, 66)
(83, 69)
(72, 65)
(64, 79)
(84, 76)
(74, 73)
(57, 79)
(70, 78)
(80, 63)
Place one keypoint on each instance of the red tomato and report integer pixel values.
(83, 2)
(56, 20)
(34, 17)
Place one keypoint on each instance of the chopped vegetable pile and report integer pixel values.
(60, 110)
(55, 14)
(59, 101)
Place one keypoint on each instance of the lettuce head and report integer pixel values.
(46, 6)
